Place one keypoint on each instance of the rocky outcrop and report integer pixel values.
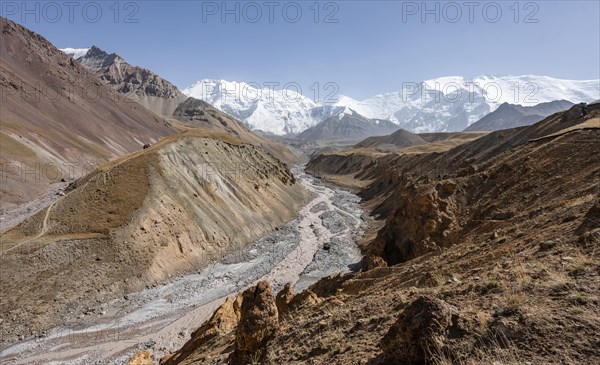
(427, 327)
(288, 300)
(305, 298)
(224, 321)
(137, 83)
(284, 298)
(423, 221)
(258, 321)
(371, 262)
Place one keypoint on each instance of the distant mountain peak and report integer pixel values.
(98, 52)
(512, 115)
(346, 125)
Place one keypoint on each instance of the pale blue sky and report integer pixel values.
(367, 47)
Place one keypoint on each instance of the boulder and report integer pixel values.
(373, 262)
(427, 326)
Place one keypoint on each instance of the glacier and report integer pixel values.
(444, 104)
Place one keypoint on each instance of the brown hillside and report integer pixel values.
(139, 220)
(56, 115)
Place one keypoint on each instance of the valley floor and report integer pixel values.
(319, 242)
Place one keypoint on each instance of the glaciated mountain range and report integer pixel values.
(437, 105)
(444, 104)
(273, 111)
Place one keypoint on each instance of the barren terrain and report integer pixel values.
(138, 221)
(161, 318)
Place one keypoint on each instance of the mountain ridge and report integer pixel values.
(347, 125)
(508, 116)
(443, 104)
(160, 96)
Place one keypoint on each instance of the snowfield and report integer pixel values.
(443, 104)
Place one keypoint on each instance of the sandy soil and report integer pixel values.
(320, 242)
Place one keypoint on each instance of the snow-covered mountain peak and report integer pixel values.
(344, 112)
(75, 53)
(263, 107)
(448, 103)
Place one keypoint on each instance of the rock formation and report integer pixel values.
(258, 321)
(424, 329)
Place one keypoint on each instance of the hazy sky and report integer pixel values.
(365, 47)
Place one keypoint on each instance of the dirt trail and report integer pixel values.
(43, 230)
(11, 217)
(321, 241)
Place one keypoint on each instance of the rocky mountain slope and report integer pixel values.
(486, 254)
(438, 105)
(57, 119)
(138, 221)
(347, 126)
(512, 116)
(137, 83)
(141, 85)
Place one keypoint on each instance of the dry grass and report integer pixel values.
(592, 123)
(496, 352)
